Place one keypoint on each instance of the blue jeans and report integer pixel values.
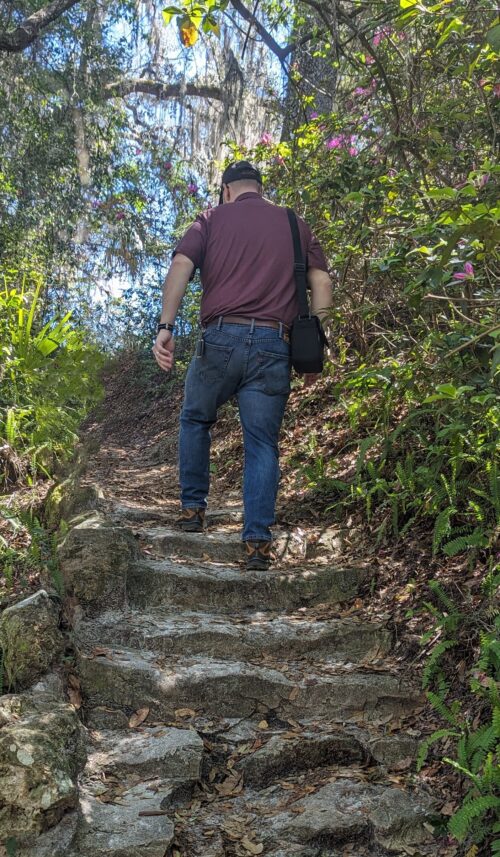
(251, 363)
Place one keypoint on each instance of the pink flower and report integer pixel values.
(496, 90)
(377, 39)
(266, 138)
(167, 165)
(138, 151)
(466, 274)
(120, 215)
(360, 90)
(279, 160)
(369, 60)
(192, 188)
(314, 115)
(352, 151)
(334, 143)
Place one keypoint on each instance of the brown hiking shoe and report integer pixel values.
(258, 555)
(191, 520)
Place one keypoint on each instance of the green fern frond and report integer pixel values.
(438, 591)
(435, 656)
(460, 823)
(463, 543)
(442, 527)
(444, 710)
(428, 742)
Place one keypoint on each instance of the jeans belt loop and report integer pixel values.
(252, 326)
(219, 323)
(280, 330)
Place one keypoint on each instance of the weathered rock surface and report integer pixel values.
(42, 749)
(154, 752)
(232, 688)
(30, 639)
(69, 498)
(345, 811)
(119, 830)
(228, 589)
(308, 750)
(245, 635)
(94, 558)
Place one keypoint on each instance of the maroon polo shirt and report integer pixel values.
(244, 251)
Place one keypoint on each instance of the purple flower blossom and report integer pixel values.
(120, 215)
(192, 188)
(167, 165)
(484, 180)
(466, 274)
(334, 143)
(138, 151)
(314, 115)
(352, 151)
(266, 138)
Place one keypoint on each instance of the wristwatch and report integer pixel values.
(166, 326)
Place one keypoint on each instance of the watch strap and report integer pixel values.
(166, 326)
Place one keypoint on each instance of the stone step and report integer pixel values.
(132, 513)
(153, 583)
(220, 546)
(126, 678)
(237, 636)
(127, 828)
(347, 811)
(157, 751)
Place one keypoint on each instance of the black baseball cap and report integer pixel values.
(239, 171)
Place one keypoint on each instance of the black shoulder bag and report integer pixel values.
(307, 337)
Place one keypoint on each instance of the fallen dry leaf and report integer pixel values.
(252, 847)
(185, 712)
(138, 717)
(263, 724)
(75, 697)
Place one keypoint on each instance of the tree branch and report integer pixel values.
(281, 53)
(162, 91)
(29, 30)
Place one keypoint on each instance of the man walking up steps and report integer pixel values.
(244, 251)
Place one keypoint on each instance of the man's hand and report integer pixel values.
(310, 378)
(163, 350)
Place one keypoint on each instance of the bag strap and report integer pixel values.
(299, 267)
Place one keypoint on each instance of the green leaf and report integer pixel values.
(442, 193)
(493, 38)
(169, 12)
(455, 25)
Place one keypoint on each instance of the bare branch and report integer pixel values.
(29, 30)
(162, 91)
(281, 53)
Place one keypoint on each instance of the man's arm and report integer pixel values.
(321, 292)
(174, 289)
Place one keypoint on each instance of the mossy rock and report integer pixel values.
(42, 750)
(30, 639)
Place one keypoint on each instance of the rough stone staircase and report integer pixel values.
(229, 712)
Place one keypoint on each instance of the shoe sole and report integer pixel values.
(258, 566)
(191, 528)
